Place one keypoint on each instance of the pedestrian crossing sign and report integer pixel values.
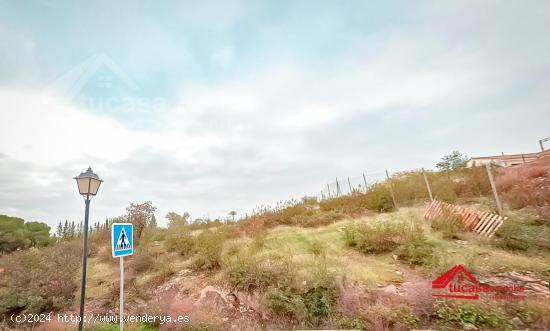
(122, 239)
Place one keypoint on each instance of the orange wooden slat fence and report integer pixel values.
(482, 223)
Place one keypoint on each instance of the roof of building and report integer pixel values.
(512, 157)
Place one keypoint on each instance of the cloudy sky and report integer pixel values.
(212, 106)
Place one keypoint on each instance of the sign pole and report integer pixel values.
(121, 309)
(122, 240)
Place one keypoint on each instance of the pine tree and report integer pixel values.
(59, 232)
(66, 230)
(72, 230)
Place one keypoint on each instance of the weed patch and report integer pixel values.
(475, 314)
(450, 228)
(208, 248)
(381, 317)
(36, 281)
(180, 240)
(512, 235)
(407, 239)
(245, 270)
(415, 249)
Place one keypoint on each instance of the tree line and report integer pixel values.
(70, 230)
(16, 234)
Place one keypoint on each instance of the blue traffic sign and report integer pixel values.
(122, 239)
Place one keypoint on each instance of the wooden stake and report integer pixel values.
(391, 190)
(427, 185)
(493, 187)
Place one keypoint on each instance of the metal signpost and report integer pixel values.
(122, 242)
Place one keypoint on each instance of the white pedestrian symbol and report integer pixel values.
(122, 242)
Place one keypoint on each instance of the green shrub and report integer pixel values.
(443, 189)
(450, 228)
(351, 235)
(377, 198)
(459, 314)
(317, 247)
(208, 248)
(319, 302)
(320, 297)
(406, 239)
(415, 248)
(165, 271)
(404, 315)
(396, 317)
(105, 255)
(376, 238)
(142, 261)
(409, 187)
(513, 235)
(534, 313)
(286, 215)
(348, 323)
(180, 240)
(245, 270)
(309, 304)
(315, 219)
(259, 240)
(286, 304)
(40, 280)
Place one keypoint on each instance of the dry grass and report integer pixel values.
(527, 186)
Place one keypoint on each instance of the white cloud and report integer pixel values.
(44, 130)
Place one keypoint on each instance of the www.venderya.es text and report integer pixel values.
(98, 318)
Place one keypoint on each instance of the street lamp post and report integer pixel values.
(88, 184)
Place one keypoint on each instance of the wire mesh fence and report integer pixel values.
(407, 188)
(349, 185)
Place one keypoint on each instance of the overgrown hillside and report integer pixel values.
(352, 262)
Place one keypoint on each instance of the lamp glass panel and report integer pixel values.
(83, 185)
(94, 186)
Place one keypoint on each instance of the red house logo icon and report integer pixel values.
(455, 289)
